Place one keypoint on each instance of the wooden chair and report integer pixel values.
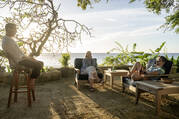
(83, 78)
(16, 88)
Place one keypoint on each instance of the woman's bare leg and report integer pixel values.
(136, 68)
(95, 76)
(91, 82)
(91, 79)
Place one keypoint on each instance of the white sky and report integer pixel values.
(119, 21)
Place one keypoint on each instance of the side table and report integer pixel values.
(112, 74)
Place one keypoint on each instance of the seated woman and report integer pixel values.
(89, 67)
(157, 67)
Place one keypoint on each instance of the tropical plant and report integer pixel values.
(64, 60)
(173, 60)
(3, 62)
(2, 57)
(177, 64)
(125, 57)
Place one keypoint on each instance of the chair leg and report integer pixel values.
(123, 88)
(28, 91)
(29, 97)
(138, 92)
(33, 94)
(32, 81)
(14, 89)
(10, 96)
(76, 82)
(77, 85)
(16, 86)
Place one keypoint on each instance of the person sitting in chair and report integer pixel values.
(15, 56)
(89, 67)
(155, 67)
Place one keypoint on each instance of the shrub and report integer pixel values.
(125, 57)
(64, 60)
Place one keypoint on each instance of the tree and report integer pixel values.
(156, 6)
(48, 32)
(84, 3)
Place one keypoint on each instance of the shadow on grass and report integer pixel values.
(122, 105)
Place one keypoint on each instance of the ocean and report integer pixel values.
(52, 60)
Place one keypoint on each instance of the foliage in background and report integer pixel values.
(64, 60)
(47, 69)
(125, 57)
(177, 64)
(171, 7)
(4, 65)
(2, 57)
(40, 26)
(84, 3)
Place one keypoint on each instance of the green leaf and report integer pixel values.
(20, 43)
(161, 46)
(134, 46)
(131, 1)
(138, 52)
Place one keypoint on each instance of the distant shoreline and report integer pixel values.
(52, 59)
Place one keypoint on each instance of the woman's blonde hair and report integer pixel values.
(88, 52)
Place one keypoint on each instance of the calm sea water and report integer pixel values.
(52, 60)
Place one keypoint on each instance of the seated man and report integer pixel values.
(89, 67)
(153, 67)
(16, 56)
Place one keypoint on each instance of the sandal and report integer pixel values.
(91, 89)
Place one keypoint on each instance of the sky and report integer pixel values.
(119, 21)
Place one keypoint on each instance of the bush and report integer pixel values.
(126, 57)
(64, 60)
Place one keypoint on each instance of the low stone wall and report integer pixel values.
(49, 76)
(67, 71)
(54, 74)
(5, 77)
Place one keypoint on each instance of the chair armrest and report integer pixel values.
(98, 69)
(77, 70)
(154, 75)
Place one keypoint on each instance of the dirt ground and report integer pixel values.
(61, 100)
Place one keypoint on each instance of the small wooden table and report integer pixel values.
(113, 73)
(157, 88)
